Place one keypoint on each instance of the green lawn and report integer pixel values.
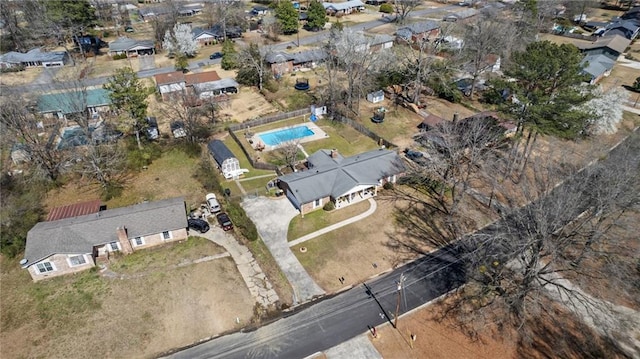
(257, 184)
(342, 137)
(397, 123)
(316, 220)
(244, 161)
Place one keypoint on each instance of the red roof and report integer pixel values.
(201, 77)
(74, 210)
(169, 78)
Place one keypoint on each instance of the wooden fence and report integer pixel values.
(269, 119)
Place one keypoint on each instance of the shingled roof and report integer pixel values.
(335, 177)
(80, 234)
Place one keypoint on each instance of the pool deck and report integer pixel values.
(318, 134)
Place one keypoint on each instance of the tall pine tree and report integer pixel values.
(287, 16)
(316, 16)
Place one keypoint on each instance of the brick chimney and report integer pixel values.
(334, 153)
(125, 245)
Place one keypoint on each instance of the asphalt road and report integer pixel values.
(334, 320)
(320, 36)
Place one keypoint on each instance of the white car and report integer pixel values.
(212, 203)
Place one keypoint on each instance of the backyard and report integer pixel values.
(162, 300)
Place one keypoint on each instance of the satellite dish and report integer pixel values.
(23, 261)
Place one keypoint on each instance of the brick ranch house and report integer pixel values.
(75, 244)
(343, 181)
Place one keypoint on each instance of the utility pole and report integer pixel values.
(400, 284)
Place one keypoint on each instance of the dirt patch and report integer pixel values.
(246, 105)
(562, 336)
(20, 78)
(135, 317)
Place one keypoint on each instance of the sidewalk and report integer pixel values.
(372, 208)
(257, 282)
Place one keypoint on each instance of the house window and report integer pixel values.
(77, 260)
(114, 246)
(317, 202)
(44, 267)
(166, 235)
(138, 241)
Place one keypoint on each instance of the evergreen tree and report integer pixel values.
(129, 96)
(316, 16)
(287, 16)
(229, 56)
(547, 93)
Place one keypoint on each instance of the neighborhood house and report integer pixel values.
(343, 181)
(204, 85)
(601, 55)
(78, 243)
(283, 62)
(34, 58)
(343, 8)
(131, 47)
(65, 104)
(419, 31)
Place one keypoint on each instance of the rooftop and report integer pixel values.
(74, 210)
(33, 55)
(73, 101)
(125, 44)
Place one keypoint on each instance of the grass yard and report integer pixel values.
(244, 161)
(172, 254)
(351, 251)
(169, 176)
(300, 226)
(135, 317)
(256, 185)
(342, 137)
(20, 78)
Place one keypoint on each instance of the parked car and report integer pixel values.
(129, 29)
(215, 55)
(415, 156)
(152, 128)
(225, 221)
(198, 224)
(212, 203)
(177, 128)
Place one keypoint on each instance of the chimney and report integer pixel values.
(455, 117)
(334, 153)
(125, 245)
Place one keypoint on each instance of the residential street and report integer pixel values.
(34, 87)
(334, 320)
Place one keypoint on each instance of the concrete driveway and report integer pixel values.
(272, 217)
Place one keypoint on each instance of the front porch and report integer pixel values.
(357, 194)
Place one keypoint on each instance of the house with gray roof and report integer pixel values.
(210, 89)
(34, 58)
(284, 62)
(601, 55)
(597, 66)
(131, 47)
(75, 244)
(419, 31)
(343, 8)
(330, 177)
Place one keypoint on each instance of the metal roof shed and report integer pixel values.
(227, 162)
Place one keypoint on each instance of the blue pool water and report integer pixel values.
(289, 134)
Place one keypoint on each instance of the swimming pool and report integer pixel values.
(275, 138)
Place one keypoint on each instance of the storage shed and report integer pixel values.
(375, 97)
(227, 162)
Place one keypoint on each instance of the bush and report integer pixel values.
(191, 149)
(329, 206)
(18, 68)
(138, 158)
(388, 185)
(241, 221)
(386, 8)
(119, 57)
(112, 190)
(205, 175)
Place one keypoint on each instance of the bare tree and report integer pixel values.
(104, 163)
(351, 52)
(184, 108)
(511, 266)
(27, 129)
(403, 8)
(482, 39)
(224, 13)
(288, 152)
